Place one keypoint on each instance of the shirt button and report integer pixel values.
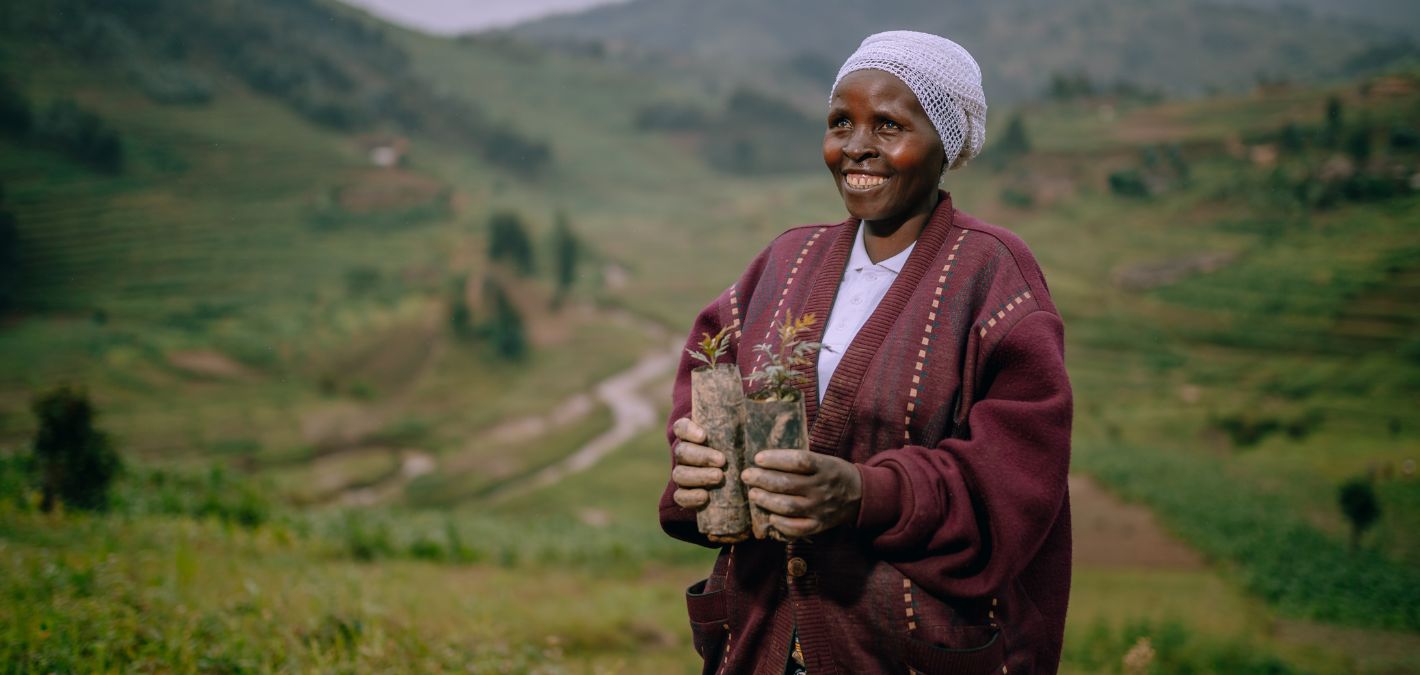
(798, 567)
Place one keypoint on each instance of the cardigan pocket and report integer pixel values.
(709, 622)
(930, 658)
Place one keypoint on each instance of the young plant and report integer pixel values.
(785, 361)
(712, 347)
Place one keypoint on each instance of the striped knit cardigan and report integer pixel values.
(954, 404)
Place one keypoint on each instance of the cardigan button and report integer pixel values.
(798, 567)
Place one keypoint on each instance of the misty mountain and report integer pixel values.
(1179, 46)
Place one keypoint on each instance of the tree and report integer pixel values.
(1357, 499)
(566, 249)
(76, 461)
(504, 327)
(508, 241)
(1334, 121)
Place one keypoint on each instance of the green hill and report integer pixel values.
(1177, 47)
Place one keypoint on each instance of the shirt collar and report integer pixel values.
(859, 259)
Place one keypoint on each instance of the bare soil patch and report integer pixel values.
(209, 364)
(1111, 533)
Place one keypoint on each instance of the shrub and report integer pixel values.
(76, 461)
(82, 135)
(1128, 183)
(508, 241)
(15, 115)
(1357, 499)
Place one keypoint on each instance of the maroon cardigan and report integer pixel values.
(954, 403)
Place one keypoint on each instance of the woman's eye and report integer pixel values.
(889, 124)
(840, 123)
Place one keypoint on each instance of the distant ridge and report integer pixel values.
(1179, 47)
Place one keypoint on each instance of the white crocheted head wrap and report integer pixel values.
(946, 80)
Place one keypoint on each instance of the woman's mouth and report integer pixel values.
(863, 181)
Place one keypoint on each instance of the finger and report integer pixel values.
(687, 430)
(795, 528)
(792, 461)
(697, 477)
(691, 499)
(691, 454)
(784, 505)
(775, 481)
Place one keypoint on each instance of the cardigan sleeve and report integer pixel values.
(965, 517)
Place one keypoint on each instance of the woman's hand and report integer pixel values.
(805, 492)
(697, 467)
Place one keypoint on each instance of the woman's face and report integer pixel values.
(882, 149)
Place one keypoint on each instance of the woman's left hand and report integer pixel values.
(805, 492)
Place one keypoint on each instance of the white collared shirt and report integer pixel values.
(859, 291)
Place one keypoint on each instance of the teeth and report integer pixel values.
(863, 181)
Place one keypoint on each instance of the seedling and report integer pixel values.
(785, 361)
(712, 347)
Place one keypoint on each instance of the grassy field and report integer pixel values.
(1240, 341)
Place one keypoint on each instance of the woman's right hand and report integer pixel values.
(697, 467)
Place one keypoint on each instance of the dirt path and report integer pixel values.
(631, 412)
(1108, 532)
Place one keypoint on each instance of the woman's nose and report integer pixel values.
(859, 146)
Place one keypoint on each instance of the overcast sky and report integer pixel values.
(461, 16)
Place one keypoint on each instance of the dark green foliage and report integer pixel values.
(566, 250)
(9, 261)
(1128, 183)
(1068, 86)
(1357, 499)
(1334, 121)
(81, 134)
(76, 462)
(1358, 145)
(504, 326)
(1405, 139)
(1290, 139)
(508, 241)
(1246, 430)
(15, 114)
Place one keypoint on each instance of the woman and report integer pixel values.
(930, 516)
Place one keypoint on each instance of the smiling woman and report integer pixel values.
(928, 522)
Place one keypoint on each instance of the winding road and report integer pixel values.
(631, 412)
